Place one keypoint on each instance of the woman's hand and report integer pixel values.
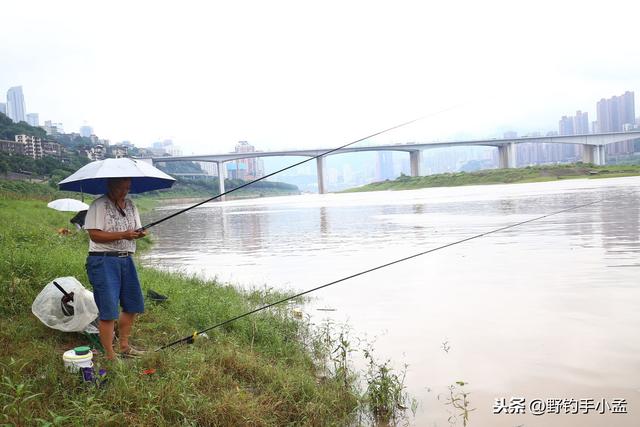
(130, 235)
(100, 236)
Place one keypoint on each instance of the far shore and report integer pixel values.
(503, 176)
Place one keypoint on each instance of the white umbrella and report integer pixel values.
(68, 205)
(92, 177)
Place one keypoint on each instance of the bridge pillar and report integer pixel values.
(602, 158)
(320, 162)
(502, 156)
(507, 155)
(512, 155)
(415, 161)
(595, 154)
(588, 153)
(220, 180)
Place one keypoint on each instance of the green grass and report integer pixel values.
(30, 190)
(503, 176)
(261, 370)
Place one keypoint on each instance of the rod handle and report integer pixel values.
(61, 289)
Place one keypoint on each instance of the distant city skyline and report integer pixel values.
(568, 124)
(614, 113)
(607, 110)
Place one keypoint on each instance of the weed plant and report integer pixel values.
(385, 398)
(458, 400)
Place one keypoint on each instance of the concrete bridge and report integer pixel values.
(593, 149)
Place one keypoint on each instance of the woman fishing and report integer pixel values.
(112, 221)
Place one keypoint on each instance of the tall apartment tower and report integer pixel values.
(574, 125)
(615, 112)
(581, 123)
(384, 166)
(565, 126)
(15, 104)
(568, 125)
(33, 119)
(86, 131)
(251, 168)
(627, 109)
(614, 115)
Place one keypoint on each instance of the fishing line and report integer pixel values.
(497, 230)
(292, 166)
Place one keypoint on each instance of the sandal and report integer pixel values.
(132, 352)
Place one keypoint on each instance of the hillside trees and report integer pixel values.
(9, 129)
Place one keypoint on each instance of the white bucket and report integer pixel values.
(74, 362)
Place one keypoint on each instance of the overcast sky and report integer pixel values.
(289, 74)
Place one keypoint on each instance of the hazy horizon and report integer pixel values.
(289, 74)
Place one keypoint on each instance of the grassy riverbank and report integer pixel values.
(502, 176)
(32, 190)
(261, 370)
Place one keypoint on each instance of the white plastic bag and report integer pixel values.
(48, 306)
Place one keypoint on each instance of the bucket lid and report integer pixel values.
(71, 356)
(82, 350)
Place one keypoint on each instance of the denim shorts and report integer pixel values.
(115, 283)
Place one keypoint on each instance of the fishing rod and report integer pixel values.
(289, 167)
(457, 242)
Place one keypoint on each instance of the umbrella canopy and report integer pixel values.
(68, 205)
(92, 178)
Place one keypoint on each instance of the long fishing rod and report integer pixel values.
(477, 236)
(289, 167)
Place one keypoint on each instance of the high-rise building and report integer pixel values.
(3, 108)
(86, 131)
(615, 112)
(615, 115)
(581, 123)
(574, 125)
(627, 113)
(15, 104)
(210, 168)
(166, 147)
(33, 119)
(251, 168)
(566, 126)
(384, 166)
(52, 128)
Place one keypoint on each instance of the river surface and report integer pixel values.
(546, 310)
